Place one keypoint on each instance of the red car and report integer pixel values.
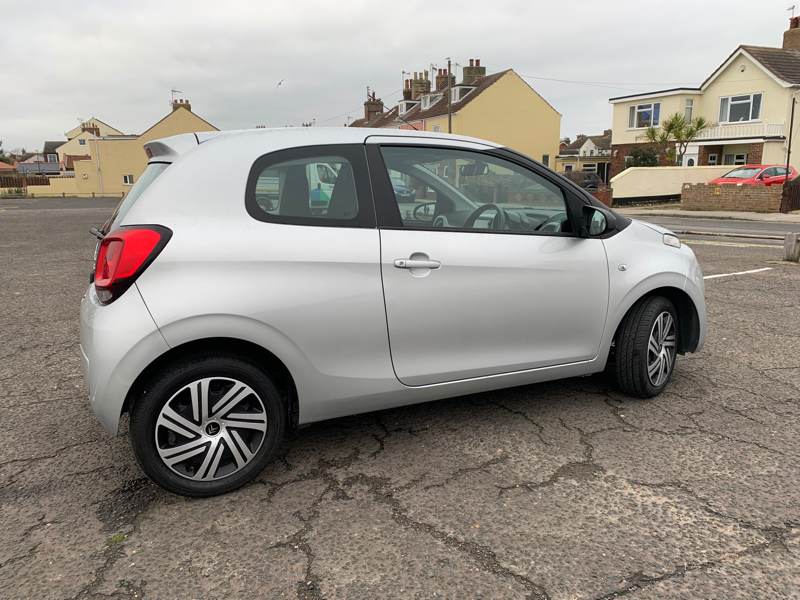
(756, 175)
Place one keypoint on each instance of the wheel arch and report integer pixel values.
(688, 316)
(271, 364)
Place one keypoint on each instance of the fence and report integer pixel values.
(790, 198)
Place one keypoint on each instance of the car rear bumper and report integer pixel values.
(117, 343)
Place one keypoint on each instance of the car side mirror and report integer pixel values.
(596, 221)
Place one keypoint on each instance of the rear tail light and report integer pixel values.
(123, 255)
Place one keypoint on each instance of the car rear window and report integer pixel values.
(742, 173)
(149, 175)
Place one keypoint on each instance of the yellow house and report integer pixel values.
(747, 100)
(500, 107)
(116, 161)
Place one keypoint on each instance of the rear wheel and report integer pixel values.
(646, 347)
(207, 425)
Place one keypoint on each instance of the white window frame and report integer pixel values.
(430, 100)
(567, 168)
(688, 109)
(635, 109)
(81, 142)
(712, 159)
(127, 180)
(436, 128)
(406, 105)
(738, 159)
(749, 100)
(586, 168)
(461, 93)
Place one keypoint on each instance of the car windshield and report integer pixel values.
(744, 173)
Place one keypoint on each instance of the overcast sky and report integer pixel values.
(116, 60)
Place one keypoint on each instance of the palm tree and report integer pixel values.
(677, 130)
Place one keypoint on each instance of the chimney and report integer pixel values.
(407, 90)
(420, 85)
(181, 102)
(791, 37)
(373, 107)
(93, 129)
(473, 71)
(441, 80)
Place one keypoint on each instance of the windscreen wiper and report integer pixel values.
(96, 233)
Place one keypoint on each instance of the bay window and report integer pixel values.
(746, 107)
(644, 115)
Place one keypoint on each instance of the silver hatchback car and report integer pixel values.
(259, 280)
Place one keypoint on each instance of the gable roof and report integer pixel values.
(783, 63)
(438, 109)
(169, 114)
(50, 147)
(89, 120)
(602, 142)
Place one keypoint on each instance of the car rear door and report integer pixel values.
(470, 301)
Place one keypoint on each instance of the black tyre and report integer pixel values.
(645, 347)
(207, 425)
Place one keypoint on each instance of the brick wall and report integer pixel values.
(755, 152)
(620, 151)
(702, 157)
(751, 198)
(604, 194)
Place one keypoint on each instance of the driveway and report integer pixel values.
(562, 490)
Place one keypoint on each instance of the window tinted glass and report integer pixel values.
(742, 173)
(316, 187)
(458, 189)
(149, 176)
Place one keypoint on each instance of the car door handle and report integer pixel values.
(415, 263)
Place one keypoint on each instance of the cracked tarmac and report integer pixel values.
(561, 490)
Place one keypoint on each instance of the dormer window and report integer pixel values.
(460, 92)
(430, 100)
(405, 106)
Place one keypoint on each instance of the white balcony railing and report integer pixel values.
(742, 130)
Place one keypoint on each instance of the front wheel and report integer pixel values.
(646, 347)
(207, 425)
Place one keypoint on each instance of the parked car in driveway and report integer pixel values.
(756, 175)
(591, 182)
(219, 315)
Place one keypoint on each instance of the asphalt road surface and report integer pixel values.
(562, 490)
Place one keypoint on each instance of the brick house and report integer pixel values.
(747, 101)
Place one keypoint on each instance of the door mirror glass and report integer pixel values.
(597, 221)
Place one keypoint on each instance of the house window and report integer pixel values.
(644, 115)
(437, 128)
(127, 179)
(591, 152)
(428, 101)
(460, 93)
(546, 160)
(81, 142)
(590, 168)
(567, 168)
(712, 159)
(52, 158)
(739, 108)
(734, 159)
(688, 109)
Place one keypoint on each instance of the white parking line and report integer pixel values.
(738, 273)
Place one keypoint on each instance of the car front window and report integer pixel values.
(742, 173)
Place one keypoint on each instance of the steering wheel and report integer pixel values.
(414, 213)
(557, 220)
(499, 221)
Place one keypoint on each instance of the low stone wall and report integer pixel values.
(749, 198)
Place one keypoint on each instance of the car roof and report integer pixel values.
(170, 148)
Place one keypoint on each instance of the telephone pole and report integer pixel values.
(789, 149)
(449, 100)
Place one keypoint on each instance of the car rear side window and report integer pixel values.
(149, 175)
(321, 185)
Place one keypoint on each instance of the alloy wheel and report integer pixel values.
(210, 428)
(661, 349)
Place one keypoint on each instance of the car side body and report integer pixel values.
(214, 285)
(756, 175)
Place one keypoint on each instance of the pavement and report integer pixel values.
(562, 490)
(674, 210)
